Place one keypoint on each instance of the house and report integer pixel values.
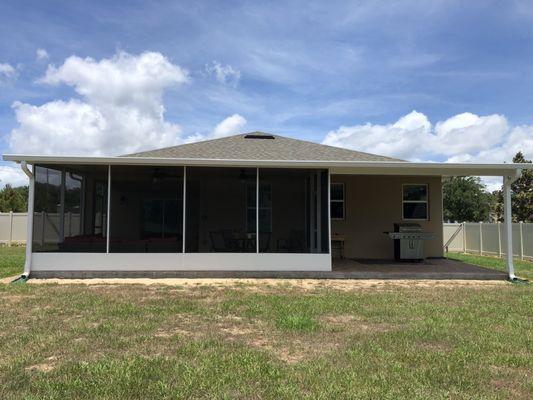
(250, 202)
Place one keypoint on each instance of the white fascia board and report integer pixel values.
(336, 167)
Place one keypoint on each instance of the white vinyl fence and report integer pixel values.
(488, 238)
(13, 227)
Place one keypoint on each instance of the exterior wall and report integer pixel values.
(373, 204)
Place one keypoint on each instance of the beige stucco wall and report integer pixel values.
(373, 205)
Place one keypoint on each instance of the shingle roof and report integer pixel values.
(260, 147)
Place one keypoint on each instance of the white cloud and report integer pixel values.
(464, 137)
(225, 74)
(7, 70)
(12, 175)
(41, 55)
(229, 126)
(120, 111)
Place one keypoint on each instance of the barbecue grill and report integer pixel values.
(409, 241)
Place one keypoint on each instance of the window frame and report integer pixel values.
(415, 201)
(343, 201)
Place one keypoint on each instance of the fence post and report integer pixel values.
(498, 225)
(10, 228)
(481, 238)
(464, 237)
(521, 225)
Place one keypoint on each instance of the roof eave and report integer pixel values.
(336, 167)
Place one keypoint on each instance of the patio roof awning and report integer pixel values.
(336, 167)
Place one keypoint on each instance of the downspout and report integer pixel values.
(29, 234)
(507, 211)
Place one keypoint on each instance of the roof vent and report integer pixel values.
(256, 136)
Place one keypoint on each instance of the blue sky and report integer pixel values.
(344, 73)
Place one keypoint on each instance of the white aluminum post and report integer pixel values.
(507, 180)
(10, 228)
(480, 238)
(29, 219)
(184, 209)
(257, 211)
(108, 223)
(521, 225)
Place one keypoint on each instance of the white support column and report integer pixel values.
(507, 212)
(29, 224)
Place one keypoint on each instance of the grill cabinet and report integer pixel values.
(409, 241)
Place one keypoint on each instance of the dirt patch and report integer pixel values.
(354, 324)
(47, 366)
(266, 285)
(439, 347)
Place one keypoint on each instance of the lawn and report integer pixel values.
(523, 269)
(11, 260)
(266, 341)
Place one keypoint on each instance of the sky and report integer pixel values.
(446, 81)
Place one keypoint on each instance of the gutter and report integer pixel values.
(27, 264)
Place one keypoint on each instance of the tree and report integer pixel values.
(14, 199)
(465, 199)
(521, 195)
(522, 192)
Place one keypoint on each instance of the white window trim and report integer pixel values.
(343, 201)
(416, 201)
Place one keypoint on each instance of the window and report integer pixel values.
(415, 201)
(337, 200)
(70, 209)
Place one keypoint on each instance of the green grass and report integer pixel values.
(11, 260)
(390, 341)
(523, 269)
